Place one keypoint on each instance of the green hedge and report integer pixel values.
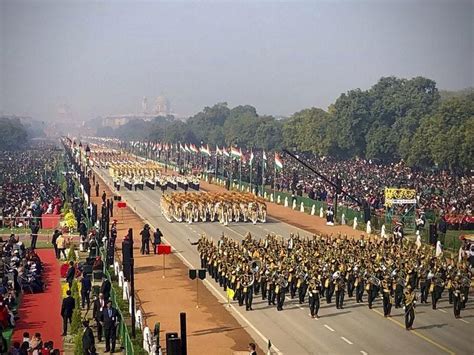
(76, 323)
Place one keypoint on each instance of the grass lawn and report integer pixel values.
(18, 230)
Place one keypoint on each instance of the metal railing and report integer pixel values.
(123, 334)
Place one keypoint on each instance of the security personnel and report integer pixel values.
(145, 233)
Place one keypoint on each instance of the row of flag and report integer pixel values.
(235, 153)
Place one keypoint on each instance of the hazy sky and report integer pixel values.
(103, 57)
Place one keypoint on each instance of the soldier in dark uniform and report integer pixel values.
(145, 233)
(457, 297)
(280, 291)
(359, 287)
(409, 300)
(387, 296)
(314, 289)
(340, 289)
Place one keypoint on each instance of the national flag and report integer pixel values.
(193, 148)
(225, 152)
(251, 158)
(186, 148)
(264, 157)
(230, 293)
(278, 162)
(234, 153)
(181, 148)
(218, 150)
(205, 150)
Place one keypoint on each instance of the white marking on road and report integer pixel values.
(363, 352)
(347, 340)
(465, 321)
(442, 310)
(328, 327)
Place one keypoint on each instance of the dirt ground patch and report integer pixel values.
(211, 328)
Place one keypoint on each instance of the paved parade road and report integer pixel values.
(352, 330)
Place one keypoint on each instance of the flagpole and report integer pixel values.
(274, 183)
(263, 176)
(240, 173)
(251, 166)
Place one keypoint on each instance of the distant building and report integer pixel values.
(162, 108)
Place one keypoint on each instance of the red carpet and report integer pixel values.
(40, 312)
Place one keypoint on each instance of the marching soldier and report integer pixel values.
(409, 300)
(314, 289)
(457, 297)
(248, 295)
(387, 297)
(339, 288)
(359, 287)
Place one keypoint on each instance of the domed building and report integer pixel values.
(162, 107)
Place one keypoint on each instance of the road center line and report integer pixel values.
(442, 310)
(347, 340)
(465, 321)
(363, 352)
(328, 327)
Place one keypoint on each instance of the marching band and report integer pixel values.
(210, 206)
(326, 266)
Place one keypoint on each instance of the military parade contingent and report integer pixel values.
(389, 272)
(333, 269)
(210, 207)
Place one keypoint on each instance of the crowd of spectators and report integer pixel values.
(28, 190)
(443, 192)
(21, 270)
(33, 345)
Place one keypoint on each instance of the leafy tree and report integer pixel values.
(13, 134)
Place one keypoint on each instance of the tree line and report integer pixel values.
(394, 119)
(14, 134)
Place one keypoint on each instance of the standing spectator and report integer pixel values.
(145, 233)
(104, 197)
(88, 343)
(34, 234)
(66, 310)
(111, 207)
(61, 245)
(54, 240)
(97, 313)
(86, 287)
(105, 287)
(252, 348)
(36, 344)
(26, 340)
(156, 239)
(111, 318)
(97, 189)
(71, 273)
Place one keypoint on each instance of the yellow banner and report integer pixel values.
(399, 196)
